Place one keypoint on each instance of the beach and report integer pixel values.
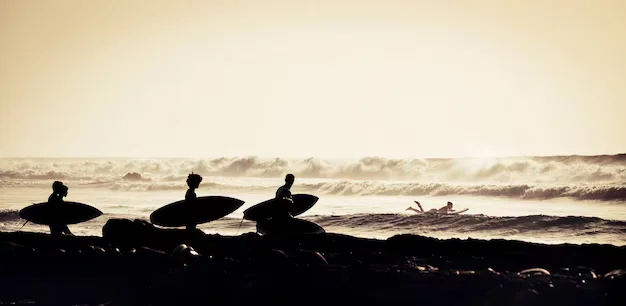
(135, 263)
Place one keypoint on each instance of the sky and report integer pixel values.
(311, 78)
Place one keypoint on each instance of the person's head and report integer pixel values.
(193, 180)
(64, 191)
(289, 179)
(57, 187)
(449, 204)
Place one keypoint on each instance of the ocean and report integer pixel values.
(554, 199)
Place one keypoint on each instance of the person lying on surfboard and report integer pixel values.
(445, 209)
(284, 191)
(193, 181)
(59, 191)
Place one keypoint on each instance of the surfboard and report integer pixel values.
(289, 226)
(457, 212)
(65, 213)
(436, 212)
(265, 210)
(205, 209)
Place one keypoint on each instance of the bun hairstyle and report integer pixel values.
(57, 186)
(194, 178)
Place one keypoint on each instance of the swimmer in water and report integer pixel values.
(444, 210)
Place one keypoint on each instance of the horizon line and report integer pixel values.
(301, 157)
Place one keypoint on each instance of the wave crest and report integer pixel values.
(369, 188)
(9, 215)
(578, 177)
(555, 169)
(474, 223)
(351, 188)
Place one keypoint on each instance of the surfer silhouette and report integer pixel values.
(193, 181)
(284, 193)
(59, 191)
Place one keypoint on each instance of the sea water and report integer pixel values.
(560, 199)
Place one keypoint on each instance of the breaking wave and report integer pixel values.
(9, 215)
(579, 177)
(579, 226)
(376, 188)
(608, 193)
(565, 169)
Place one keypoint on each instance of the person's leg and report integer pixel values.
(419, 206)
(66, 230)
(55, 230)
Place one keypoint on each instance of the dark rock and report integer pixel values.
(137, 263)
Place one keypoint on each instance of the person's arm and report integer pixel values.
(287, 196)
(284, 193)
(55, 199)
(445, 209)
(413, 209)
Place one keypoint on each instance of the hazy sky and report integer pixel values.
(317, 78)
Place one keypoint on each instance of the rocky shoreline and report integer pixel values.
(134, 263)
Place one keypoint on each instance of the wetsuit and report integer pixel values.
(283, 194)
(58, 229)
(190, 198)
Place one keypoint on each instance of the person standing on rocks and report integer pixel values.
(193, 182)
(59, 191)
(283, 194)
